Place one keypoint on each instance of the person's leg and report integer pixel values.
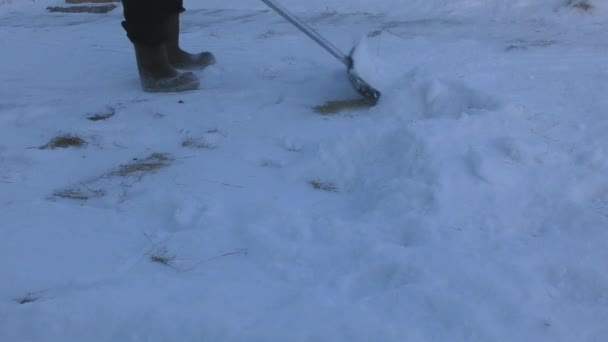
(178, 57)
(145, 23)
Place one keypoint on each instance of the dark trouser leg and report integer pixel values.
(146, 20)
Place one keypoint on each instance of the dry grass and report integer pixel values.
(89, 1)
(198, 263)
(162, 256)
(268, 34)
(335, 107)
(216, 131)
(522, 45)
(100, 9)
(79, 194)
(198, 143)
(325, 186)
(28, 298)
(64, 141)
(74, 194)
(153, 163)
(108, 113)
(583, 5)
(271, 163)
(374, 33)
(137, 169)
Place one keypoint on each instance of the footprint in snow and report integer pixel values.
(452, 99)
(388, 271)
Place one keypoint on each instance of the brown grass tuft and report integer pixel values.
(79, 194)
(325, 186)
(154, 162)
(162, 256)
(335, 107)
(374, 33)
(583, 5)
(75, 194)
(28, 298)
(137, 169)
(100, 9)
(198, 143)
(64, 141)
(89, 1)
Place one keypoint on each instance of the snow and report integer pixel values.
(470, 204)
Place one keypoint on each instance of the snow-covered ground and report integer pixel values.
(470, 204)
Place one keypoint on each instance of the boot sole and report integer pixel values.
(182, 88)
(181, 66)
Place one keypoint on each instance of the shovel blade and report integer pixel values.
(371, 94)
(363, 88)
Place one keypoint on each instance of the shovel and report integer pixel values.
(371, 94)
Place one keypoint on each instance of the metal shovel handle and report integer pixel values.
(309, 31)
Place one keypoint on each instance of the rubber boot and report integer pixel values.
(157, 75)
(179, 58)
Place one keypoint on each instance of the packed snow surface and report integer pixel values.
(470, 204)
